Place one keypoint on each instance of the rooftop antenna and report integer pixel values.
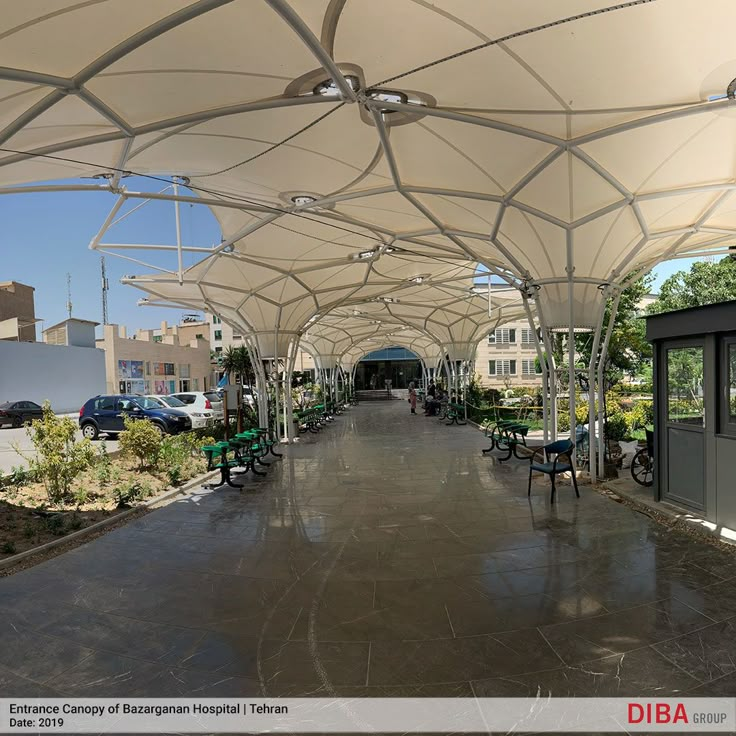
(105, 288)
(69, 295)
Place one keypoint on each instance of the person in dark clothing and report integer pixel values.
(431, 389)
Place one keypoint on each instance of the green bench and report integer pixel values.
(494, 430)
(508, 436)
(454, 413)
(513, 439)
(218, 458)
(310, 420)
(245, 450)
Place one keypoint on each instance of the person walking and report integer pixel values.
(413, 397)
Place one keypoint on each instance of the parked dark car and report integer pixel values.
(18, 413)
(106, 413)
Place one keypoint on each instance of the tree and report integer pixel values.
(236, 361)
(705, 283)
(628, 349)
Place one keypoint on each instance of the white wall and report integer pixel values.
(66, 376)
(80, 334)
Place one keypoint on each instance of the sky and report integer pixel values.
(45, 236)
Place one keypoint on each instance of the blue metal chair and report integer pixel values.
(553, 467)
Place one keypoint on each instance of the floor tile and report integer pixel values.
(385, 556)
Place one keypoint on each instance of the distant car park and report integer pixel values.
(18, 413)
(105, 414)
(200, 417)
(201, 400)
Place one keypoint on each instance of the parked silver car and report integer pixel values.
(202, 400)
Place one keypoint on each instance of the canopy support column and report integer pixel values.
(542, 364)
(592, 442)
(261, 382)
(571, 339)
(289, 399)
(177, 217)
(552, 371)
(276, 378)
(601, 386)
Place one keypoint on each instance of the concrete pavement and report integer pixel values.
(9, 458)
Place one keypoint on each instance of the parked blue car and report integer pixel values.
(106, 413)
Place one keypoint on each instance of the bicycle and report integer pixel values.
(642, 464)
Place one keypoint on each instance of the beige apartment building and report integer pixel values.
(161, 361)
(17, 312)
(508, 357)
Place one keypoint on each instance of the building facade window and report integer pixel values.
(501, 367)
(218, 350)
(185, 384)
(135, 387)
(164, 387)
(218, 334)
(527, 336)
(503, 335)
(216, 320)
(529, 367)
(184, 370)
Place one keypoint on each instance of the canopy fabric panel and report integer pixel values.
(359, 152)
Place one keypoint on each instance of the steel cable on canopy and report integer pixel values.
(516, 34)
(288, 138)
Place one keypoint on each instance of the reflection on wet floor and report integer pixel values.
(384, 556)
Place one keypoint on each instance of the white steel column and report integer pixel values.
(542, 364)
(592, 448)
(552, 368)
(261, 383)
(289, 400)
(177, 215)
(571, 337)
(601, 385)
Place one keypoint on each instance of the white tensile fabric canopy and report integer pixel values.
(430, 321)
(353, 150)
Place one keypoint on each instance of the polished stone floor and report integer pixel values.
(384, 556)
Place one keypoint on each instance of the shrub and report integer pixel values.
(563, 414)
(141, 440)
(174, 455)
(21, 476)
(55, 524)
(81, 496)
(103, 468)
(491, 396)
(640, 416)
(59, 457)
(616, 426)
(8, 548)
(130, 492)
(474, 392)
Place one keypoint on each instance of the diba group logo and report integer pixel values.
(672, 713)
(657, 713)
